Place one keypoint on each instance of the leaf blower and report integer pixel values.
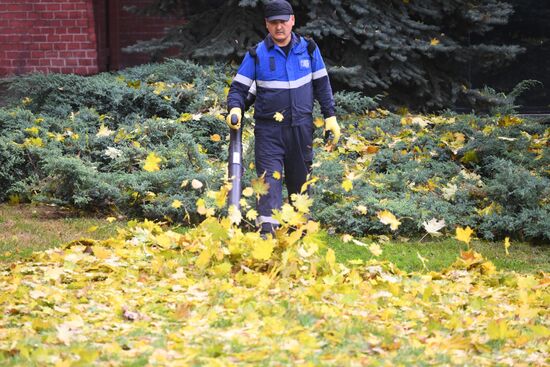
(235, 155)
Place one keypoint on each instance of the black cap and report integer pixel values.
(278, 10)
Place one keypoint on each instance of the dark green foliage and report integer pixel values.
(96, 132)
(417, 52)
(489, 173)
(495, 181)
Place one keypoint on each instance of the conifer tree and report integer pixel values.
(415, 52)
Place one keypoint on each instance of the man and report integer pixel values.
(286, 72)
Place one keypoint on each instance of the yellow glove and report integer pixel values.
(234, 111)
(332, 126)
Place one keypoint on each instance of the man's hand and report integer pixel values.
(235, 111)
(332, 126)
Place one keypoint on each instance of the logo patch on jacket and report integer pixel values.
(304, 64)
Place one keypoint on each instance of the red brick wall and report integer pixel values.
(47, 35)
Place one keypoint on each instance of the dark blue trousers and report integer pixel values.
(285, 149)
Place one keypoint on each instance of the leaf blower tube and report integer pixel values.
(235, 156)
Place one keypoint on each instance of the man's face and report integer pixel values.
(280, 31)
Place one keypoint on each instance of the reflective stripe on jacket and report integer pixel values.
(284, 84)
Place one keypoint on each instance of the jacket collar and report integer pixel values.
(294, 41)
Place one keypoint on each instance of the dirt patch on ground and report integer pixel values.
(43, 212)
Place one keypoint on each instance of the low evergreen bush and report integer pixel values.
(85, 142)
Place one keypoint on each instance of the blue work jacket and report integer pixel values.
(284, 84)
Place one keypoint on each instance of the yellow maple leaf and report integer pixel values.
(259, 186)
(361, 209)
(101, 252)
(104, 131)
(278, 117)
(215, 138)
(301, 202)
(251, 214)
(319, 122)
(110, 219)
(203, 259)
(234, 215)
(176, 204)
(388, 218)
(152, 163)
(248, 192)
(434, 42)
(347, 185)
(277, 175)
(464, 234)
(375, 249)
(262, 250)
(164, 240)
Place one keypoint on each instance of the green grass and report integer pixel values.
(440, 253)
(28, 228)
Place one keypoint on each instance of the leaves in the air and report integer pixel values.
(386, 217)
(433, 226)
(464, 234)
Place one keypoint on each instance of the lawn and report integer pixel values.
(28, 228)
(215, 296)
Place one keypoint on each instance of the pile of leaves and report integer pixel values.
(218, 296)
(150, 142)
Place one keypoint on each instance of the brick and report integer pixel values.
(80, 38)
(68, 6)
(15, 54)
(61, 15)
(67, 70)
(81, 70)
(15, 15)
(37, 54)
(66, 38)
(77, 14)
(69, 23)
(17, 7)
(22, 23)
(81, 22)
(39, 38)
(73, 46)
(53, 38)
(44, 62)
(71, 62)
(40, 7)
(60, 46)
(45, 46)
(75, 54)
(85, 62)
(58, 62)
(53, 7)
